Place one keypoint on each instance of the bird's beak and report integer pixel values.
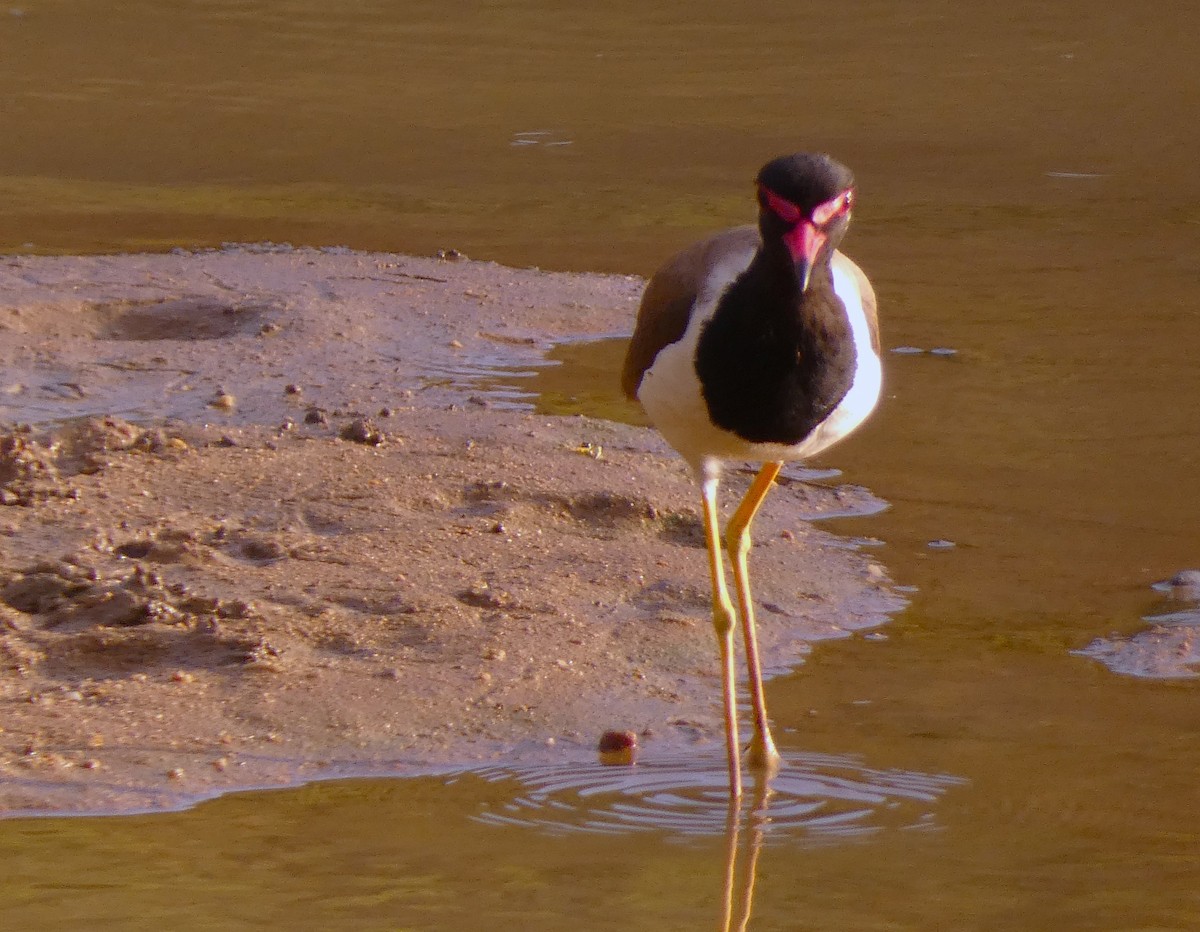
(805, 241)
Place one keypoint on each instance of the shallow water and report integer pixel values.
(1028, 198)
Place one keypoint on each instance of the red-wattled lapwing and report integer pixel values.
(763, 345)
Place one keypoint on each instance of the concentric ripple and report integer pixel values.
(814, 797)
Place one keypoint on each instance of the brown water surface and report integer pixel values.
(1029, 199)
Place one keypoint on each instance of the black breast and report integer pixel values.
(773, 364)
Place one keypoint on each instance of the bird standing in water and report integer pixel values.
(758, 344)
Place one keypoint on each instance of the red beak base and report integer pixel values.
(804, 241)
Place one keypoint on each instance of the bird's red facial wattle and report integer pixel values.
(807, 235)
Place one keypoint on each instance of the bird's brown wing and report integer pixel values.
(869, 304)
(667, 301)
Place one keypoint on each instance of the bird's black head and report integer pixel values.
(805, 201)
(807, 179)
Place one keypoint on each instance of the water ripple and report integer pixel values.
(814, 797)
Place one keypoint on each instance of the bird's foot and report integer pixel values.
(761, 754)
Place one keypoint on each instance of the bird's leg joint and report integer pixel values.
(723, 617)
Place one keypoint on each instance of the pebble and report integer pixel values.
(361, 430)
(617, 748)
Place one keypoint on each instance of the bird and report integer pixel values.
(759, 343)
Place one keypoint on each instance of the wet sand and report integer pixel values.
(260, 525)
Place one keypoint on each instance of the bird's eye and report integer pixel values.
(833, 208)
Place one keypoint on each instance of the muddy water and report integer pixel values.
(1029, 200)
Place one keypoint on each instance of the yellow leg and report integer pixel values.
(761, 753)
(723, 625)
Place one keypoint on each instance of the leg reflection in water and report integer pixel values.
(756, 818)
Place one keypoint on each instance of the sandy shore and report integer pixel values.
(263, 521)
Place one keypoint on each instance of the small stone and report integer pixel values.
(361, 430)
(617, 748)
(175, 773)
(232, 608)
(223, 401)
(293, 389)
(221, 764)
(182, 676)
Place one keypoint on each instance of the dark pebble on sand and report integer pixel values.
(361, 430)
